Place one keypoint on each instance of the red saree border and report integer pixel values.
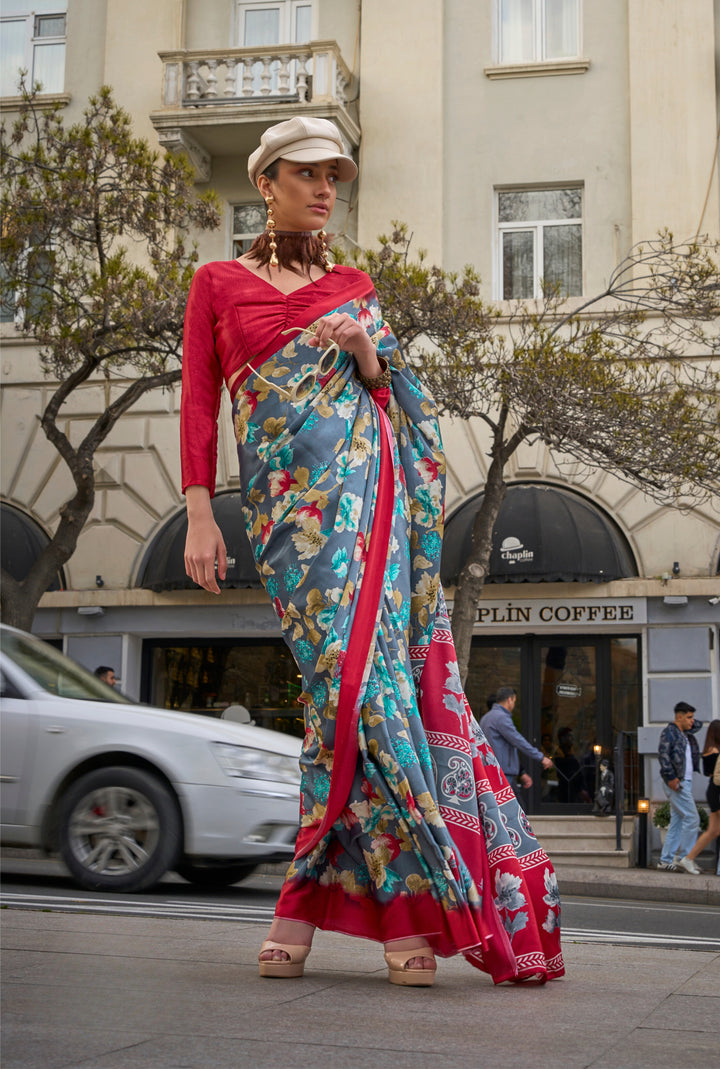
(359, 644)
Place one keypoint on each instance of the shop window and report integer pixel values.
(32, 39)
(534, 31)
(248, 220)
(539, 241)
(207, 678)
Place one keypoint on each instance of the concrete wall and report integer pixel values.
(401, 114)
(673, 117)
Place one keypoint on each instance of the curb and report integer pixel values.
(644, 884)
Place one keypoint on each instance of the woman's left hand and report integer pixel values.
(346, 332)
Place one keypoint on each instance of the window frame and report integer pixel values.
(17, 319)
(536, 225)
(236, 237)
(20, 13)
(287, 9)
(539, 37)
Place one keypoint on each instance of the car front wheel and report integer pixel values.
(120, 830)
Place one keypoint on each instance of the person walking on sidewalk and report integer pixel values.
(711, 768)
(507, 742)
(679, 758)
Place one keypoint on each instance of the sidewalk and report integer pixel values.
(650, 885)
(84, 991)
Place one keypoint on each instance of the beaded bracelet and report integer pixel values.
(377, 383)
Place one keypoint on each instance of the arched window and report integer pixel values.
(22, 540)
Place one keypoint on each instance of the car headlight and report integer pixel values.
(246, 763)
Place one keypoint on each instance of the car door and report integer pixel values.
(18, 743)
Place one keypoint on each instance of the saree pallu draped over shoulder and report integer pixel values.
(408, 826)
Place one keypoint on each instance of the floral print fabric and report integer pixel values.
(407, 824)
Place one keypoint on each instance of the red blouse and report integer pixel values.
(233, 316)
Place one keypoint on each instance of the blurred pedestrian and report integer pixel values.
(711, 768)
(679, 758)
(107, 674)
(506, 740)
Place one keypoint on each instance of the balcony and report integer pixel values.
(218, 102)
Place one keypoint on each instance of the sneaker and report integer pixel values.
(668, 866)
(689, 865)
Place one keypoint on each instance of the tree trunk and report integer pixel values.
(475, 570)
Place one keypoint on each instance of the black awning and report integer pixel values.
(163, 567)
(542, 535)
(22, 540)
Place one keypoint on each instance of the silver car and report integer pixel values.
(126, 792)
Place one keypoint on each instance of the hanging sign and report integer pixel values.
(568, 690)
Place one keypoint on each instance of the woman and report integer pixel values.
(410, 835)
(710, 756)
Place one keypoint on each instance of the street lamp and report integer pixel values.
(643, 809)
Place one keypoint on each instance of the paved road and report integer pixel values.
(35, 884)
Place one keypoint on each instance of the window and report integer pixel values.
(286, 22)
(32, 38)
(248, 222)
(539, 241)
(209, 675)
(530, 31)
(283, 23)
(37, 268)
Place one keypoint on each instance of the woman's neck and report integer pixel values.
(296, 251)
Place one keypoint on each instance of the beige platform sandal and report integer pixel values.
(398, 972)
(294, 966)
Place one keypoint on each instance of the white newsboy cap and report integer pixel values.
(301, 140)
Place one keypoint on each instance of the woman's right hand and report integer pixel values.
(204, 544)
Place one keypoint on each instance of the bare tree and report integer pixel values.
(97, 267)
(625, 380)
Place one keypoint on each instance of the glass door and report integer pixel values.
(576, 693)
(272, 23)
(571, 709)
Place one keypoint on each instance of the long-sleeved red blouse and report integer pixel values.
(233, 317)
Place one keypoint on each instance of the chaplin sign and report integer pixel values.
(564, 613)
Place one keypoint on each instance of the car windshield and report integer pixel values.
(53, 671)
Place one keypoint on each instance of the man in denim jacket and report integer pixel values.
(679, 758)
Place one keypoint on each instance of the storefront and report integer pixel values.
(577, 688)
(575, 661)
(595, 652)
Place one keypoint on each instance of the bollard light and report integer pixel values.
(643, 805)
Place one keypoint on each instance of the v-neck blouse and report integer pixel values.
(234, 316)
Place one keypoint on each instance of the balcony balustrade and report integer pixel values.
(311, 73)
(219, 101)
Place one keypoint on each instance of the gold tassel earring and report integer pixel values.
(324, 251)
(270, 227)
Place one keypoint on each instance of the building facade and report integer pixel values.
(529, 139)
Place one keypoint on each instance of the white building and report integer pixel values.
(523, 137)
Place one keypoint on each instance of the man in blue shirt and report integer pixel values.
(506, 740)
